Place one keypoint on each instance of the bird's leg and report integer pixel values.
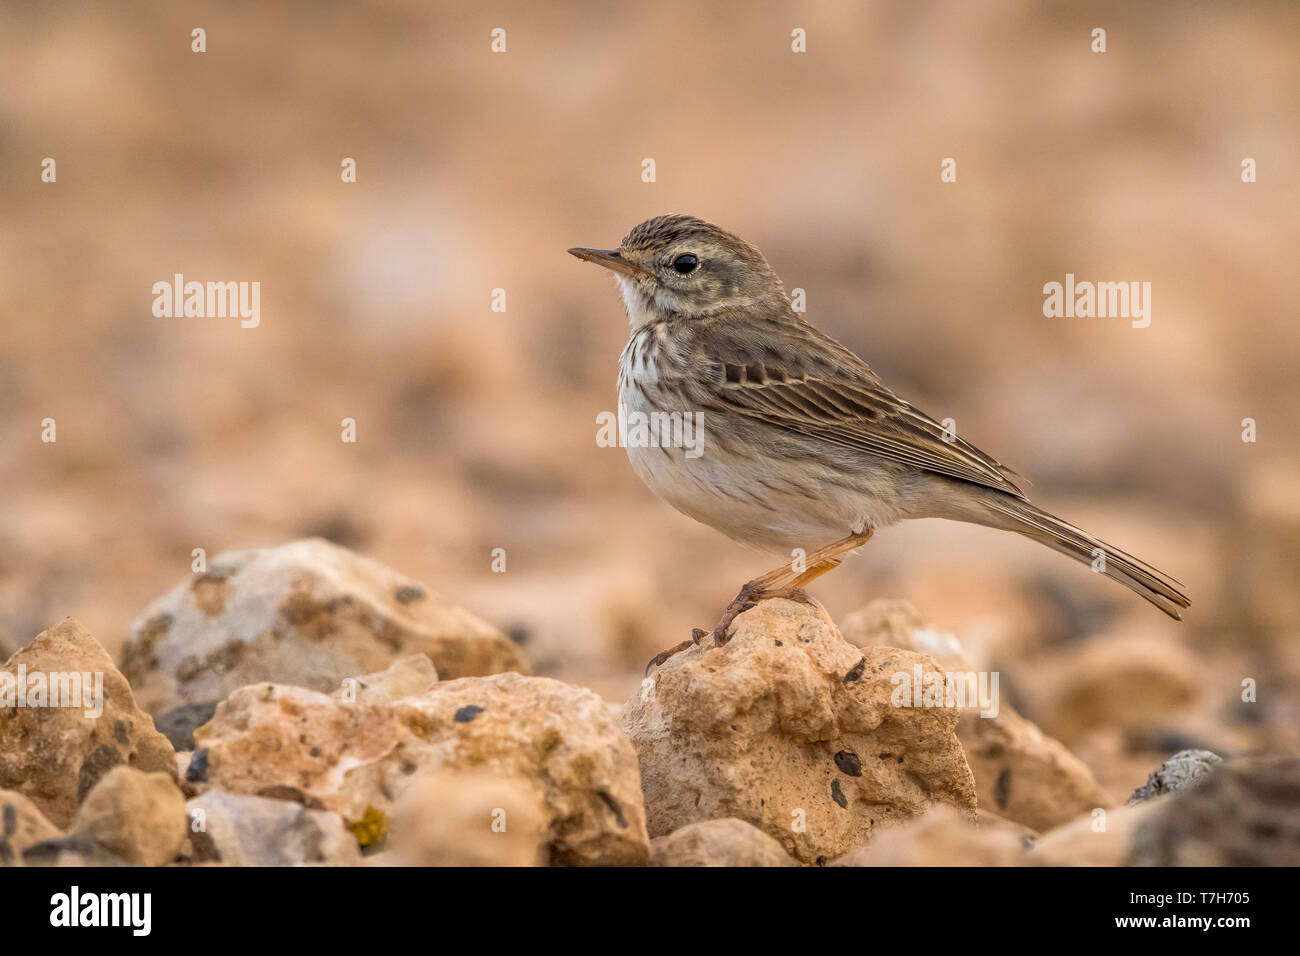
(784, 582)
(697, 634)
(787, 582)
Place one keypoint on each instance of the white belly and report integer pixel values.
(745, 494)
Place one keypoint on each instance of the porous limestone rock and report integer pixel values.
(728, 842)
(789, 727)
(357, 759)
(309, 613)
(1020, 772)
(55, 755)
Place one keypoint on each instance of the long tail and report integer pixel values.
(1000, 510)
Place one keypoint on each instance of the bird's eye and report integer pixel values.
(686, 263)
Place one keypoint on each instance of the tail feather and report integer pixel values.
(1020, 516)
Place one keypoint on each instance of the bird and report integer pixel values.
(805, 451)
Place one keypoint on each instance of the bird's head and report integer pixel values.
(683, 267)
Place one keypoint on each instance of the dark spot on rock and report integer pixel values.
(10, 819)
(614, 808)
(211, 592)
(838, 795)
(409, 768)
(856, 672)
(780, 643)
(97, 763)
(519, 633)
(315, 751)
(138, 656)
(900, 758)
(179, 723)
(821, 861)
(885, 756)
(408, 593)
(1002, 788)
(188, 668)
(197, 771)
(849, 763)
(121, 731)
(468, 713)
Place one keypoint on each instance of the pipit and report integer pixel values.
(806, 452)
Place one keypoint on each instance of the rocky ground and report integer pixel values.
(307, 705)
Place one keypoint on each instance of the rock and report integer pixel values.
(139, 817)
(890, 622)
(943, 837)
(239, 830)
(729, 842)
(179, 723)
(55, 755)
(357, 759)
(21, 825)
(404, 678)
(794, 730)
(73, 850)
(308, 613)
(471, 817)
(1183, 771)
(1113, 682)
(1082, 843)
(1027, 776)
(1244, 814)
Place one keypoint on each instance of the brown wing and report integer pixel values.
(796, 378)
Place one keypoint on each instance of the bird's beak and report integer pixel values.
(609, 258)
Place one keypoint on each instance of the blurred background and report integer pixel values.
(476, 429)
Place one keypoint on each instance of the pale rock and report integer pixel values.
(471, 817)
(238, 830)
(357, 759)
(137, 816)
(1102, 838)
(309, 613)
(21, 825)
(403, 678)
(728, 842)
(944, 837)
